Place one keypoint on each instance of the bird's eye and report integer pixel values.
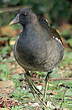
(23, 15)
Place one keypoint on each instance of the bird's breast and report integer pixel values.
(37, 53)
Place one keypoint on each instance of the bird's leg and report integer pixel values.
(46, 83)
(31, 85)
(34, 90)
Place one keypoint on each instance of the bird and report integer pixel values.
(38, 48)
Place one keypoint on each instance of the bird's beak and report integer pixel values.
(15, 20)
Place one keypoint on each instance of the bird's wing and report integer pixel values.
(51, 31)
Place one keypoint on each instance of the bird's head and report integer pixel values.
(24, 17)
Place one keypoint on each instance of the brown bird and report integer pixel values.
(38, 48)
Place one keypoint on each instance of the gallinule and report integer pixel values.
(39, 47)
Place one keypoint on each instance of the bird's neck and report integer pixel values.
(33, 22)
(31, 26)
